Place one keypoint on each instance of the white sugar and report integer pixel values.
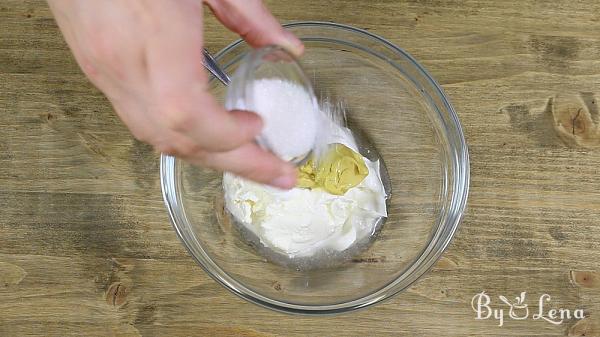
(290, 115)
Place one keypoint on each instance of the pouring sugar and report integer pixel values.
(290, 115)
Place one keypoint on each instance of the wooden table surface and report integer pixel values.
(86, 247)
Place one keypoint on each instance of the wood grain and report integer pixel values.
(86, 247)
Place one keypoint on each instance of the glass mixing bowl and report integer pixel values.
(393, 103)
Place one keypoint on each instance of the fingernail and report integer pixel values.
(293, 43)
(284, 181)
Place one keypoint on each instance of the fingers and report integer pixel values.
(179, 82)
(248, 160)
(191, 123)
(254, 23)
(201, 118)
(251, 162)
(146, 56)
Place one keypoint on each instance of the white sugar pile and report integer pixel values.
(290, 115)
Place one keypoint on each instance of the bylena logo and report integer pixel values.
(519, 310)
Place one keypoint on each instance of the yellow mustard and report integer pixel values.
(337, 171)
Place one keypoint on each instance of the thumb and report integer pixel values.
(254, 23)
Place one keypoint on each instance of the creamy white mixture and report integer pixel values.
(300, 222)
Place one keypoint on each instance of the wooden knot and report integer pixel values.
(116, 295)
(445, 263)
(276, 285)
(585, 279)
(48, 116)
(584, 328)
(574, 120)
(11, 274)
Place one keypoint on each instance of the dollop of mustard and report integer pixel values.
(339, 170)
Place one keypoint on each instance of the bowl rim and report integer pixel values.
(424, 262)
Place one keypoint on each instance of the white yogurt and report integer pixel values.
(301, 222)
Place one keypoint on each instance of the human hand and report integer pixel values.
(145, 56)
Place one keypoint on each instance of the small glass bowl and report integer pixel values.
(392, 102)
(271, 62)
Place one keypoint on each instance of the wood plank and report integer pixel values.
(86, 247)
